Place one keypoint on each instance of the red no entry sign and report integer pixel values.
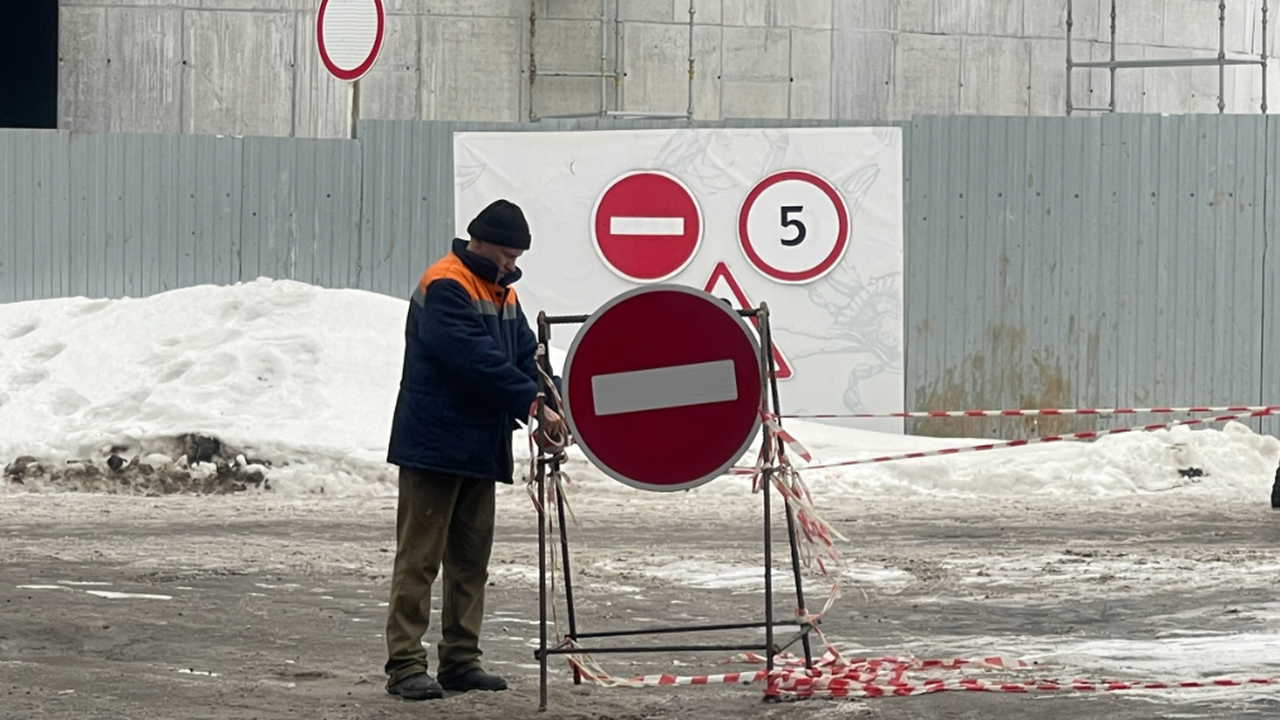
(349, 36)
(663, 388)
(793, 226)
(646, 226)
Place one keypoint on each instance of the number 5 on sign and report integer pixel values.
(793, 226)
(787, 220)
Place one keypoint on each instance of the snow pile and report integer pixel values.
(286, 386)
(277, 373)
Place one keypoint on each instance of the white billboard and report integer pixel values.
(808, 220)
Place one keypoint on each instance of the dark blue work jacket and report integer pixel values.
(469, 371)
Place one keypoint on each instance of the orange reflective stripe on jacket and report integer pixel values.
(487, 298)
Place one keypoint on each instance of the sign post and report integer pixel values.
(649, 366)
(349, 37)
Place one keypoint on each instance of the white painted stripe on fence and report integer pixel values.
(646, 225)
(668, 387)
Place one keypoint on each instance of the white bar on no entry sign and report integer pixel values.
(646, 225)
(668, 387)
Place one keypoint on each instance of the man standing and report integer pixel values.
(468, 376)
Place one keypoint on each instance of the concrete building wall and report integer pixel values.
(249, 67)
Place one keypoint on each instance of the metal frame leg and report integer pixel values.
(773, 449)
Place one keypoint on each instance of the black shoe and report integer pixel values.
(474, 679)
(417, 687)
(1275, 491)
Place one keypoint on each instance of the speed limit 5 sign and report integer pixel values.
(793, 226)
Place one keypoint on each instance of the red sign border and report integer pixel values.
(360, 70)
(595, 242)
(822, 268)
(568, 369)
(783, 369)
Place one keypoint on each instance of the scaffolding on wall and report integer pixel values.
(1221, 61)
(616, 74)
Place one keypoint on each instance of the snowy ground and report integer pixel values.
(1096, 559)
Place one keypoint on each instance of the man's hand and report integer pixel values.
(552, 430)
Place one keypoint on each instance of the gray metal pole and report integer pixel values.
(533, 64)
(1222, 56)
(766, 342)
(1069, 24)
(767, 489)
(1264, 57)
(355, 107)
(544, 339)
(689, 111)
(1112, 104)
(604, 57)
(617, 55)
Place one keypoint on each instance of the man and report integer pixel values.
(468, 376)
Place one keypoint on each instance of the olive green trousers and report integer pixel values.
(444, 521)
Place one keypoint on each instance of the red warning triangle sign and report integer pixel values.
(723, 285)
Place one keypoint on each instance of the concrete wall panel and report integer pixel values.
(483, 8)
(144, 54)
(268, 5)
(240, 72)
(573, 46)
(926, 76)
(861, 73)
(194, 4)
(777, 13)
(865, 15)
(810, 73)
(1179, 90)
(82, 70)
(705, 12)
(997, 74)
(1191, 24)
(754, 99)
(756, 54)
(919, 16)
(390, 90)
(250, 67)
(980, 17)
(659, 11)
(1138, 22)
(567, 9)
(322, 102)
(471, 68)
(1046, 18)
(656, 60)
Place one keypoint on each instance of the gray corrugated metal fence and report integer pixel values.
(1050, 262)
(132, 215)
(1111, 262)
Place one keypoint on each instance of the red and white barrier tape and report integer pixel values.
(835, 677)
(1044, 411)
(1090, 435)
(771, 421)
(802, 688)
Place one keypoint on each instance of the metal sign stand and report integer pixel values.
(570, 645)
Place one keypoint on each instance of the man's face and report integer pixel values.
(502, 256)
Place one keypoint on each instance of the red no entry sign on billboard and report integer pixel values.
(646, 226)
(349, 36)
(663, 388)
(793, 226)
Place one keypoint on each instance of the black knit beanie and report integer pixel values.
(502, 223)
